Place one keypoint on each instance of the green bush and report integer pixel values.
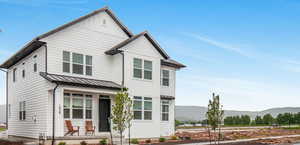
(103, 142)
(83, 143)
(148, 141)
(174, 137)
(161, 139)
(134, 141)
(62, 143)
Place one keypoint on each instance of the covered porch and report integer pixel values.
(82, 107)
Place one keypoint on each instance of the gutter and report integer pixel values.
(6, 96)
(53, 115)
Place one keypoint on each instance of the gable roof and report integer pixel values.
(114, 50)
(32, 45)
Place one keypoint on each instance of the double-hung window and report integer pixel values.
(14, 74)
(148, 70)
(34, 64)
(142, 69)
(66, 61)
(88, 106)
(67, 105)
(147, 108)
(77, 60)
(88, 65)
(137, 107)
(165, 110)
(77, 106)
(165, 77)
(142, 108)
(22, 111)
(137, 68)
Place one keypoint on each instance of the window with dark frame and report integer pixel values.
(147, 108)
(67, 105)
(22, 110)
(14, 74)
(88, 106)
(34, 64)
(88, 65)
(142, 108)
(137, 68)
(142, 69)
(66, 61)
(23, 73)
(77, 63)
(147, 70)
(77, 106)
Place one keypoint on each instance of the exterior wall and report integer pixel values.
(32, 90)
(169, 90)
(167, 128)
(88, 37)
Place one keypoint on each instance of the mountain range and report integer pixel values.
(196, 113)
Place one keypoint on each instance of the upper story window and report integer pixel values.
(142, 108)
(14, 74)
(23, 73)
(79, 65)
(142, 69)
(34, 63)
(165, 77)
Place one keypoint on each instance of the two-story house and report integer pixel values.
(74, 71)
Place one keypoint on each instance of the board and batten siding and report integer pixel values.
(31, 89)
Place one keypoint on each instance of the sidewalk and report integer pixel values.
(245, 140)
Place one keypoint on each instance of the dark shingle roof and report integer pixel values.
(165, 97)
(115, 49)
(77, 81)
(172, 63)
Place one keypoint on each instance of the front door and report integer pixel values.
(104, 114)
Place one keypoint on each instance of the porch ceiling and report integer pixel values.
(78, 81)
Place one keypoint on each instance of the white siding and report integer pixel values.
(31, 89)
(169, 90)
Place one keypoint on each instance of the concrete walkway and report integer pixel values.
(245, 140)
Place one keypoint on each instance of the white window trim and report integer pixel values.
(143, 108)
(162, 77)
(161, 112)
(143, 69)
(84, 97)
(71, 64)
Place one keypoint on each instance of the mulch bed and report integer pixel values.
(4, 142)
(195, 141)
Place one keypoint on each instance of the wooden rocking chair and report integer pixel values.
(71, 129)
(89, 127)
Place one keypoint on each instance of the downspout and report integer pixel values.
(46, 58)
(122, 53)
(6, 96)
(53, 115)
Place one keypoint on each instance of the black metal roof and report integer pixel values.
(165, 97)
(78, 81)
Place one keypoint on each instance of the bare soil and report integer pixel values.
(4, 142)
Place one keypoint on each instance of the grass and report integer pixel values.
(2, 129)
(292, 128)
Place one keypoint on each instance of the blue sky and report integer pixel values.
(247, 51)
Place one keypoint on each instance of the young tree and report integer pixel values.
(215, 114)
(121, 112)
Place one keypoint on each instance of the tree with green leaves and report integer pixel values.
(268, 119)
(215, 114)
(258, 120)
(121, 112)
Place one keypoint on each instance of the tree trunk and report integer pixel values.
(129, 135)
(208, 129)
(121, 138)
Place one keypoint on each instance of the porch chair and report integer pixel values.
(89, 127)
(71, 129)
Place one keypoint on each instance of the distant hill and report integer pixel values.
(195, 113)
(2, 113)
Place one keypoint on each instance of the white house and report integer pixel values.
(76, 69)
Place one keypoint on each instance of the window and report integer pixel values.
(142, 70)
(88, 107)
(66, 61)
(142, 108)
(34, 64)
(67, 105)
(147, 108)
(14, 74)
(22, 112)
(88, 65)
(23, 73)
(165, 77)
(9, 110)
(77, 60)
(77, 106)
(165, 110)
(137, 68)
(148, 70)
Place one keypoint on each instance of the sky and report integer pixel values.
(246, 51)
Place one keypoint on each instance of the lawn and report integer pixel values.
(2, 129)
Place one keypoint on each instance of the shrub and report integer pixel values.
(161, 139)
(134, 141)
(83, 143)
(103, 142)
(148, 141)
(62, 143)
(174, 137)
